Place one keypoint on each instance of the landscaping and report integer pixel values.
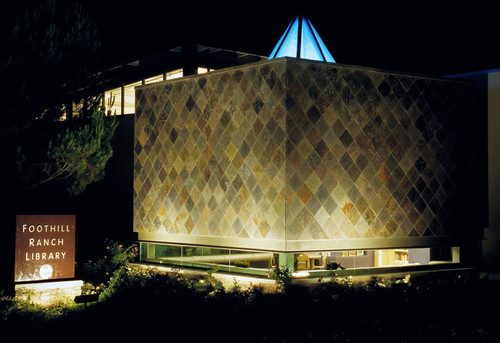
(137, 304)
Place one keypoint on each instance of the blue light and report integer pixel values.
(287, 46)
(308, 48)
(277, 46)
(328, 57)
(307, 45)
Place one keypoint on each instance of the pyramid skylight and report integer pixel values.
(301, 40)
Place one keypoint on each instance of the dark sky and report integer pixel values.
(418, 37)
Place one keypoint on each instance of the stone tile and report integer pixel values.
(310, 151)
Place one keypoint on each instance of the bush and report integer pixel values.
(20, 310)
(332, 265)
(115, 257)
(423, 309)
(282, 276)
(214, 286)
(242, 264)
(138, 287)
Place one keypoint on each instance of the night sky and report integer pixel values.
(417, 37)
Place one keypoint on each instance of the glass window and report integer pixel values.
(259, 262)
(308, 47)
(113, 101)
(207, 257)
(129, 91)
(289, 45)
(252, 259)
(353, 259)
(175, 74)
(324, 50)
(153, 79)
(311, 46)
(113, 97)
(280, 42)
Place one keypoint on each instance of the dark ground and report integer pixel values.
(455, 308)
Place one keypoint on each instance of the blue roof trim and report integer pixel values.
(480, 72)
(301, 40)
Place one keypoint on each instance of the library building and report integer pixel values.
(246, 162)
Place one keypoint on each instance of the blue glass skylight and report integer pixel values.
(301, 40)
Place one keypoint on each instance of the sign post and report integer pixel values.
(45, 251)
(45, 247)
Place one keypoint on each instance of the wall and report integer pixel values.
(491, 242)
(295, 155)
(210, 160)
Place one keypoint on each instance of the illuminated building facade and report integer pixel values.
(303, 163)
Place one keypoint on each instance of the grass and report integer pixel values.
(142, 304)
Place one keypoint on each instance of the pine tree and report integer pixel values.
(52, 61)
(80, 155)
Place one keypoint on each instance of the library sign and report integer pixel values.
(45, 247)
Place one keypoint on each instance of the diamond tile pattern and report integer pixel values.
(297, 150)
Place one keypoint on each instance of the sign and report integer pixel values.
(45, 247)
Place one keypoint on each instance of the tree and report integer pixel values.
(53, 58)
(52, 61)
(80, 155)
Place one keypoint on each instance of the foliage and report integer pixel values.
(98, 272)
(282, 276)
(53, 52)
(428, 308)
(50, 60)
(142, 285)
(213, 284)
(235, 288)
(124, 279)
(80, 154)
(433, 308)
(242, 264)
(23, 309)
(332, 265)
(89, 289)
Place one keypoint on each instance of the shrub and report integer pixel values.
(242, 264)
(19, 309)
(146, 285)
(282, 276)
(115, 256)
(213, 285)
(332, 265)
(89, 289)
